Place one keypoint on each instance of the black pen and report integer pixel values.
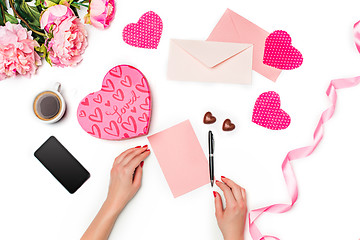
(211, 157)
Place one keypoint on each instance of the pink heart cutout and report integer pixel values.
(279, 52)
(117, 111)
(146, 33)
(267, 112)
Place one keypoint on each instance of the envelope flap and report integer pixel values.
(211, 53)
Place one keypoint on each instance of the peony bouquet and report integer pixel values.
(49, 29)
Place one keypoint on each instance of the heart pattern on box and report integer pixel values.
(146, 33)
(279, 52)
(267, 112)
(121, 109)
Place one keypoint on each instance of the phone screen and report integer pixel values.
(61, 164)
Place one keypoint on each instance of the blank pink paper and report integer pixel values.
(181, 158)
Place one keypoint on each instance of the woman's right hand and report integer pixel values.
(125, 177)
(125, 181)
(232, 218)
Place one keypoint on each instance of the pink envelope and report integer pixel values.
(181, 158)
(234, 28)
(205, 61)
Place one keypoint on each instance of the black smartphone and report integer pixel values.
(61, 164)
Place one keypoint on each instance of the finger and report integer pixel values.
(236, 189)
(243, 193)
(138, 176)
(133, 154)
(229, 197)
(123, 154)
(133, 163)
(219, 209)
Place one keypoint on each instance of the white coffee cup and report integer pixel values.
(49, 106)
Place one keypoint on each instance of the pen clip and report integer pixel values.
(212, 143)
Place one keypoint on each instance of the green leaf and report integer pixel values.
(47, 58)
(44, 53)
(74, 10)
(41, 50)
(56, 2)
(78, 5)
(39, 9)
(39, 38)
(38, 3)
(3, 3)
(29, 13)
(29, 18)
(2, 13)
(11, 18)
(2, 18)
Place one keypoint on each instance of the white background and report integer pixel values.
(33, 205)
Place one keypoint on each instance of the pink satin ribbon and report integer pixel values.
(303, 152)
(357, 35)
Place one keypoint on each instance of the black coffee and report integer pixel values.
(47, 106)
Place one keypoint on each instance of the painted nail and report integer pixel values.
(217, 181)
(214, 193)
(147, 150)
(142, 164)
(223, 177)
(138, 147)
(145, 146)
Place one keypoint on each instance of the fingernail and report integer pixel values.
(214, 193)
(217, 181)
(145, 146)
(223, 177)
(147, 150)
(138, 147)
(142, 164)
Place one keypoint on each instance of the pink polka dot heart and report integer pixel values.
(267, 112)
(279, 52)
(146, 33)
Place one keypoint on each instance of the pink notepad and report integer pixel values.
(181, 158)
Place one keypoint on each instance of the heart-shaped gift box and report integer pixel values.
(121, 109)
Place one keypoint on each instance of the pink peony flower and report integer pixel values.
(101, 13)
(17, 54)
(69, 36)
(54, 14)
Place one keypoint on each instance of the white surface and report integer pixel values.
(33, 205)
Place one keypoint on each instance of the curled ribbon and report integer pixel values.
(303, 152)
(357, 35)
